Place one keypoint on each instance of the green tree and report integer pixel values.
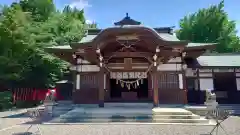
(22, 63)
(40, 9)
(210, 25)
(59, 29)
(74, 13)
(25, 29)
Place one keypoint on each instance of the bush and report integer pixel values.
(5, 100)
(27, 104)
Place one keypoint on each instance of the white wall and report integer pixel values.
(86, 68)
(206, 83)
(238, 83)
(180, 77)
(169, 67)
(78, 81)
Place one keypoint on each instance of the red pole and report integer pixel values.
(24, 94)
(17, 94)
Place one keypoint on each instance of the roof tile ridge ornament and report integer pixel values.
(127, 21)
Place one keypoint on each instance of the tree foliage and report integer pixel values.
(39, 9)
(210, 25)
(25, 29)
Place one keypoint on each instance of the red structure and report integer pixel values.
(28, 94)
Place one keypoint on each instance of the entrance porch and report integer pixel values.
(168, 89)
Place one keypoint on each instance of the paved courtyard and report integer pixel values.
(14, 126)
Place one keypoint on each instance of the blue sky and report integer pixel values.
(153, 13)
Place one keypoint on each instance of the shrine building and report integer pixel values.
(130, 62)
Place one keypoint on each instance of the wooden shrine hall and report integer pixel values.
(130, 62)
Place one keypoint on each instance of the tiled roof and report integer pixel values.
(219, 60)
(164, 36)
(199, 44)
(168, 37)
(64, 47)
(87, 38)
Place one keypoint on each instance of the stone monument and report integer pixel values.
(210, 101)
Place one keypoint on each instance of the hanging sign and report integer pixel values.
(127, 75)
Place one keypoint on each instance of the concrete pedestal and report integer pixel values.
(211, 105)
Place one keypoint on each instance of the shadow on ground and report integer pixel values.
(23, 133)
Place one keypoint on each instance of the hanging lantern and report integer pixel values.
(74, 56)
(155, 63)
(157, 50)
(100, 58)
(184, 66)
(155, 57)
(184, 54)
(98, 51)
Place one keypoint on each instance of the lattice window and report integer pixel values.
(169, 81)
(88, 81)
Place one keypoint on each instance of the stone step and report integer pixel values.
(132, 116)
(192, 116)
(103, 120)
(77, 114)
(114, 110)
(202, 121)
(170, 111)
(128, 105)
(126, 116)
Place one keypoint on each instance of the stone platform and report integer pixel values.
(128, 113)
(176, 115)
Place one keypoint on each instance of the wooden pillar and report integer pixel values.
(184, 79)
(101, 87)
(150, 87)
(74, 84)
(155, 87)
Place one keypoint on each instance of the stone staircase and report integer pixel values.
(113, 114)
(176, 115)
(125, 112)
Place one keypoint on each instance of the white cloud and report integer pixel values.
(89, 21)
(80, 4)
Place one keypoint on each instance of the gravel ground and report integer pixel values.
(13, 126)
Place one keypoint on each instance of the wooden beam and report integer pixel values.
(129, 54)
(123, 64)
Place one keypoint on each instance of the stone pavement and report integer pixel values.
(13, 126)
(118, 130)
(232, 126)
